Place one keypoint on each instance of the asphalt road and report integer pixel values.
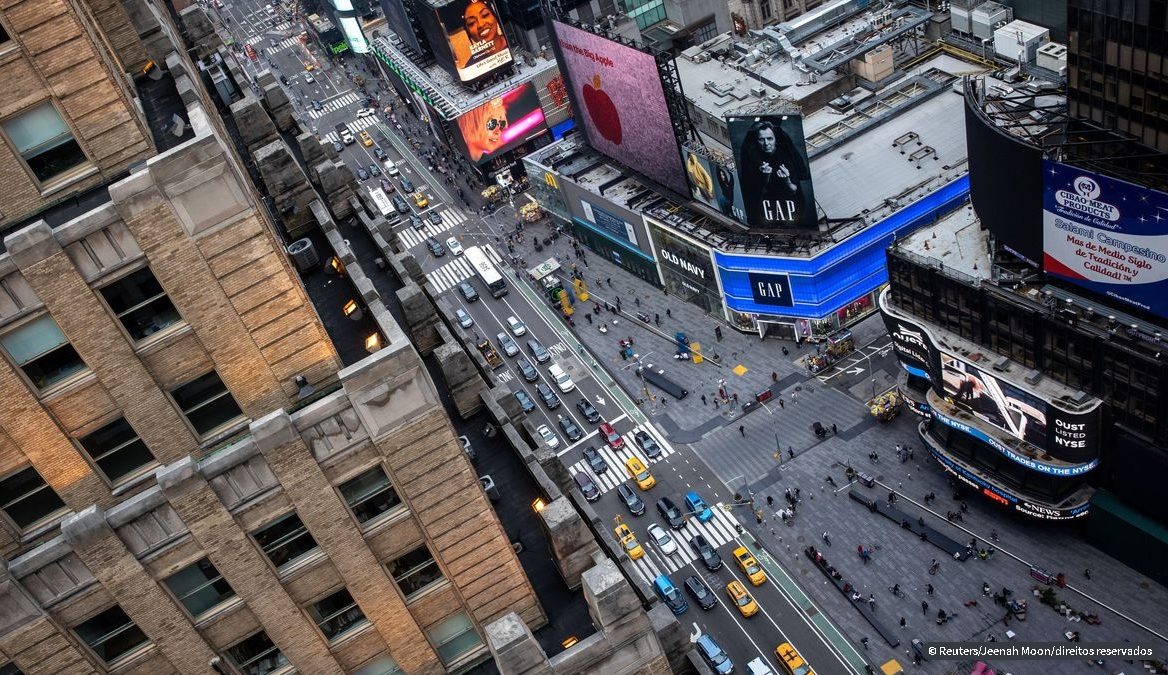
(782, 618)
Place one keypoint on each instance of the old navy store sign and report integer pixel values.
(1005, 498)
(1063, 471)
(826, 282)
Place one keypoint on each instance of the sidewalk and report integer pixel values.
(898, 557)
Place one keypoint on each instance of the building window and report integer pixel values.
(199, 587)
(206, 403)
(765, 6)
(116, 450)
(140, 304)
(337, 614)
(369, 495)
(285, 540)
(10, 668)
(415, 571)
(40, 349)
(256, 655)
(111, 635)
(454, 638)
(44, 142)
(4, 38)
(382, 665)
(27, 499)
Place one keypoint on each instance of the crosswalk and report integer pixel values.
(456, 271)
(354, 126)
(615, 459)
(284, 44)
(719, 531)
(411, 237)
(336, 104)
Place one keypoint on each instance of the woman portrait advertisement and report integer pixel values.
(775, 177)
(500, 123)
(476, 38)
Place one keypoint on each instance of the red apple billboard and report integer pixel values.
(500, 124)
(475, 38)
(773, 172)
(621, 101)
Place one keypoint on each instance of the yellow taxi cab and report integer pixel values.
(629, 541)
(366, 139)
(741, 599)
(640, 474)
(420, 200)
(309, 67)
(791, 661)
(749, 566)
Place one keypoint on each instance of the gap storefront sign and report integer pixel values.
(686, 268)
(820, 285)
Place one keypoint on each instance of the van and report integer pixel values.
(538, 351)
(670, 595)
(758, 667)
(714, 656)
(563, 381)
(390, 167)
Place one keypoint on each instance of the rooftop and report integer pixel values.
(449, 97)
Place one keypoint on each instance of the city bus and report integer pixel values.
(384, 206)
(486, 271)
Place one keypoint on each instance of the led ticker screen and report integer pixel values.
(501, 124)
(475, 38)
(621, 101)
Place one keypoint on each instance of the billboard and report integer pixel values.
(913, 346)
(500, 124)
(1106, 235)
(620, 99)
(714, 185)
(771, 157)
(993, 401)
(686, 267)
(475, 38)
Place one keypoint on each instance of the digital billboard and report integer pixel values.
(913, 346)
(1106, 235)
(714, 185)
(475, 38)
(775, 176)
(500, 124)
(620, 100)
(993, 401)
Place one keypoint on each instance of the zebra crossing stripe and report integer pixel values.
(726, 519)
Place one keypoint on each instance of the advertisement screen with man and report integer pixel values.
(1005, 406)
(773, 172)
(501, 123)
(475, 37)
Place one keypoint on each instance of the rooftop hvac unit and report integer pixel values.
(303, 254)
(758, 92)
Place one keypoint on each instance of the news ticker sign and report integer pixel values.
(1004, 498)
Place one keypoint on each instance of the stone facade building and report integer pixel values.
(190, 481)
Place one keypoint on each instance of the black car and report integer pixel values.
(570, 429)
(587, 486)
(338, 146)
(525, 401)
(548, 396)
(417, 222)
(670, 513)
(362, 174)
(595, 461)
(316, 105)
(648, 444)
(631, 499)
(701, 593)
(527, 370)
(379, 153)
(374, 170)
(400, 204)
(435, 217)
(468, 292)
(709, 556)
(284, 80)
(588, 410)
(407, 185)
(436, 249)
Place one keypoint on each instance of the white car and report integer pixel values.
(309, 78)
(454, 246)
(549, 437)
(563, 380)
(366, 112)
(663, 539)
(516, 326)
(464, 319)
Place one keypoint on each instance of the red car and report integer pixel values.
(611, 437)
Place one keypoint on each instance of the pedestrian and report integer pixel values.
(929, 589)
(864, 642)
(1087, 574)
(924, 607)
(903, 622)
(790, 452)
(704, 400)
(735, 397)
(774, 376)
(668, 312)
(608, 280)
(833, 430)
(589, 317)
(797, 491)
(782, 403)
(770, 501)
(794, 397)
(718, 333)
(715, 403)
(657, 318)
(826, 539)
(742, 430)
(872, 602)
(637, 302)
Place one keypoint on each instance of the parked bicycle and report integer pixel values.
(895, 590)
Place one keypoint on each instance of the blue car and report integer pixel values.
(670, 595)
(714, 656)
(697, 506)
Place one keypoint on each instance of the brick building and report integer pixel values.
(190, 481)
